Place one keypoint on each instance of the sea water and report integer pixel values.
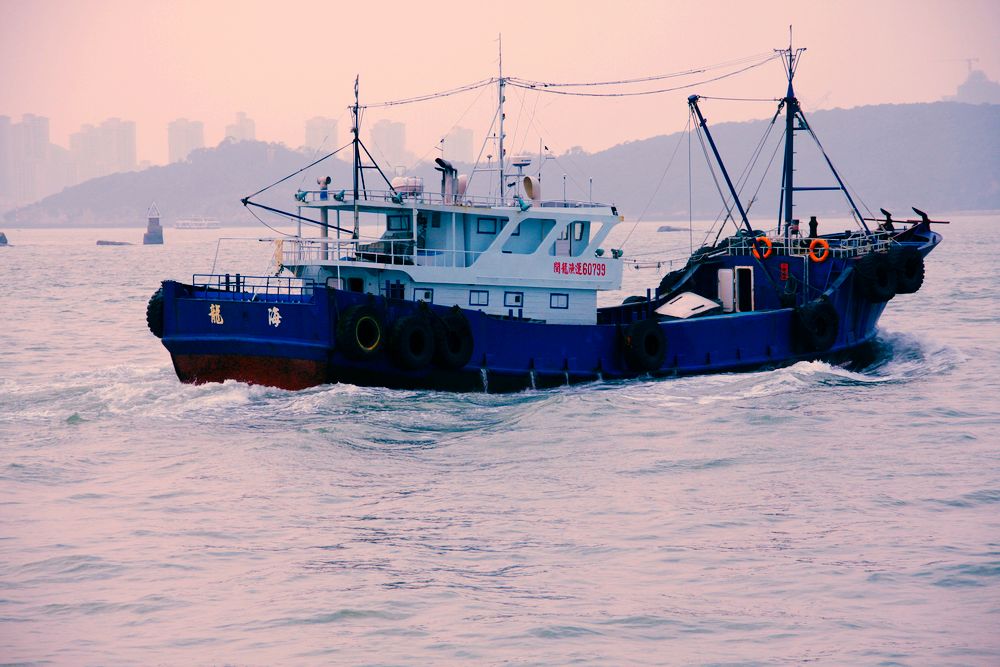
(810, 513)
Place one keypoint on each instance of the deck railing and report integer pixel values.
(373, 251)
(851, 245)
(236, 287)
(332, 198)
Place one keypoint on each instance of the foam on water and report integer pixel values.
(808, 513)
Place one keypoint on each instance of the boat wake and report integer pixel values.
(893, 359)
(153, 392)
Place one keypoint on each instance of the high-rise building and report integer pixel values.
(108, 148)
(458, 145)
(389, 139)
(29, 158)
(321, 133)
(183, 137)
(244, 129)
(6, 159)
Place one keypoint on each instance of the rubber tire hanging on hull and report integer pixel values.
(645, 345)
(875, 277)
(453, 341)
(817, 324)
(359, 332)
(909, 266)
(412, 342)
(154, 313)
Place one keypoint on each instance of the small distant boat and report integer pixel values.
(103, 242)
(670, 228)
(3, 239)
(197, 223)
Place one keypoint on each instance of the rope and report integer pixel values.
(655, 77)
(742, 99)
(276, 231)
(423, 158)
(311, 164)
(431, 96)
(548, 89)
(660, 182)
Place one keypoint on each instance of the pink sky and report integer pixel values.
(151, 62)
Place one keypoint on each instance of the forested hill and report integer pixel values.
(940, 157)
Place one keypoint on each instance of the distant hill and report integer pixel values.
(941, 157)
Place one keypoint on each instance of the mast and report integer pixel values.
(501, 83)
(357, 155)
(790, 57)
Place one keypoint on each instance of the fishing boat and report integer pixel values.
(197, 223)
(471, 293)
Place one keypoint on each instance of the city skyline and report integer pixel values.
(183, 65)
(33, 166)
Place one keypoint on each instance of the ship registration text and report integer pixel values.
(579, 268)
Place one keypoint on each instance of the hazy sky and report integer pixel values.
(283, 62)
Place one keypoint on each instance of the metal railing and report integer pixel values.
(851, 245)
(380, 251)
(426, 197)
(236, 287)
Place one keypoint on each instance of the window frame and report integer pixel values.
(475, 292)
(425, 290)
(552, 300)
(520, 297)
(480, 227)
(407, 225)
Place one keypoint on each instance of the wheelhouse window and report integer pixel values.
(559, 301)
(486, 226)
(398, 223)
(513, 299)
(479, 297)
(425, 294)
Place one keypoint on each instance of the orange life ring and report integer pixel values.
(767, 252)
(822, 256)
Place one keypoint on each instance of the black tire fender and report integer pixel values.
(154, 313)
(645, 345)
(908, 264)
(359, 332)
(453, 341)
(817, 324)
(412, 342)
(875, 277)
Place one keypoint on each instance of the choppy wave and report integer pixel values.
(816, 512)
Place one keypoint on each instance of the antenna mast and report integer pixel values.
(501, 83)
(790, 57)
(357, 155)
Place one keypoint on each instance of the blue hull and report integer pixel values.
(214, 335)
(508, 355)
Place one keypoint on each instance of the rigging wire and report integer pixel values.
(516, 83)
(774, 153)
(690, 194)
(261, 221)
(741, 99)
(660, 182)
(423, 158)
(645, 79)
(295, 173)
(482, 148)
(320, 147)
(534, 109)
(431, 96)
